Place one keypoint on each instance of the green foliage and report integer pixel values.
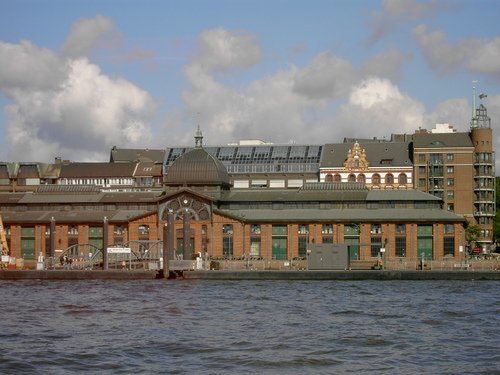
(472, 233)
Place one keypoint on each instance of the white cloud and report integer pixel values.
(400, 12)
(88, 33)
(473, 54)
(68, 108)
(376, 107)
(386, 65)
(222, 50)
(325, 77)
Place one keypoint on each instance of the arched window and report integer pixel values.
(352, 178)
(338, 178)
(361, 178)
(402, 178)
(329, 178)
(389, 179)
(376, 178)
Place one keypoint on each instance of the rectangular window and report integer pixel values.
(436, 159)
(450, 169)
(143, 229)
(375, 248)
(118, 230)
(203, 229)
(450, 194)
(376, 229)
(255, 229)
(327, 229)
(327, 239)
(451, 207)
(400, 247)
(450, 157)
(73, 230)
(421, 157)
(449, 229)
(400, 228)
(303, 229)
(255, 247)
(227, 247)
(303, 241)
(421, 170)
(451, 182)
(227, 229)
(449, 246)
(421, 182)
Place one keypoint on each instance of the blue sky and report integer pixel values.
(79, 77)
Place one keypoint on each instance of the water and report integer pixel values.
(249, 327)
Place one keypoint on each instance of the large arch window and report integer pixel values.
(389, 179)
(376, 178)
(361, 178)
(402, 178)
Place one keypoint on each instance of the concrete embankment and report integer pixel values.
(343, 275)
(76, 274)
(249, 275)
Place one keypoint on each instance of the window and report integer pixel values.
(451, 182)
(451, 207)
(255, 229)
(450, 194)
(118, 230)
(327, 229)
(450, 169)
(450, 157)
(255, 247)
(329, 178)
(402, 178)
(204, 229)
(376, 229)
(352, 178)
(401, 247)
(73, 230)
(227, 247)
(227, 229)
(375, 247)
(436, 159)
(449, 245)
(338, 178)
(400, 228)
(421, 157)
(421, 170)
(303, 241)
(143, 229)
(361, 178)
(327, 239)
(449, 229)
(376, 178)
(421, 182)
(389, 179)
(303, 229)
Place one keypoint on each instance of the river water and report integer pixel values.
(249, 327)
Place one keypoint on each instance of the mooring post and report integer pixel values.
(105, 244)
(168, 244)
(187, 236)
(52, 239)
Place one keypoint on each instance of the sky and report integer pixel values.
(78, 77)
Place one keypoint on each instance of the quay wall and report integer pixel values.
(250, 275)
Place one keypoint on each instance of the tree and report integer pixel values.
(472, 233)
